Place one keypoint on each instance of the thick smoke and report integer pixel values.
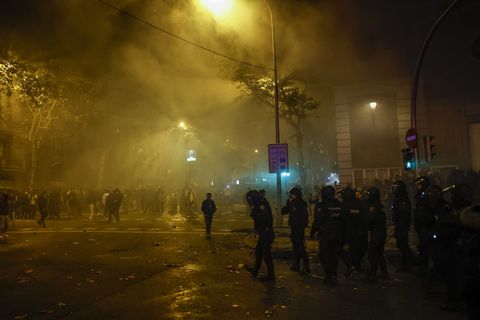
(150, 81)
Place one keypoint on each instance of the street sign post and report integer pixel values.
(278, 157)
(411, 138)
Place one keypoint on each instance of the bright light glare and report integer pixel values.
(285, 174)
(373, 105)
(217, 7)
(182, 125)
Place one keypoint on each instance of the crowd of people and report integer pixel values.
(350, 225)
(53, 204)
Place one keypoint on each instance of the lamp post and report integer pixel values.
(213, 6)
(416, 76)
(373, 106)
(277, 113)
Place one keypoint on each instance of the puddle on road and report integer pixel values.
(194, 267)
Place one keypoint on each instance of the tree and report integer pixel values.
(294, 104)
(44, 91)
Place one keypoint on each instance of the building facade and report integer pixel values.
(12, 144)
(371, 124)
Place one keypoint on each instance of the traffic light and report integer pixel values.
(428, 144)
(408, 159)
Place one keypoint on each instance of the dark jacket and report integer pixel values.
(261, 213)
(355, 216)
(3, 204)
(297, 213)
(328, 220)
(401, 213)
(377, 222)
(208, 207)
(114, 201)
(42, 202)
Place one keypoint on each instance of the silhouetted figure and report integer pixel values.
(43, 208)
(261, 213)
(297, 211)
(208, 209)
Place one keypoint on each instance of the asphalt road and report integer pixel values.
(162, 267)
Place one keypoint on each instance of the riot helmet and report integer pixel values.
(433, 196)
(348, 194)
(296, 191)
(462, 195)
(252, 197)
(373, 194)
(328, 193)
(421, 183)
(398, 188)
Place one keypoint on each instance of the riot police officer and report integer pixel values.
(261, 213)
(401, 216)
(356, 232)
(435, 216)
(297, 211)
(420, 184)
(470, 244)
(328, 227)
(422, 222)
(377, 226)
(457, 244)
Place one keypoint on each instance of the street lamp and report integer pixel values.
(373, 106)
(219, 6)
(182, 125)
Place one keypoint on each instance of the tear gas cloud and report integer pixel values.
(149, 81)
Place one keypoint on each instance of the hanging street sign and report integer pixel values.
(411, 138)
(278, 157)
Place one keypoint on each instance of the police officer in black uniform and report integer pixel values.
(470, 244)
(329, 228)
(377, 226)
(401, 216)
(261, 213)
(457, 244)
(422, 222)
(297, 211)
(434, 204)
(356, 231)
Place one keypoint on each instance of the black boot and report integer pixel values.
(296, 265)
(252, 270)
(306, 267)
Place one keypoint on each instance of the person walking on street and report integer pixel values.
(356, 230)
(401, 216)
(297, 211)
(208, 209)
(43, 208)
(329, 227)
(114, 201)
(3, 213)
(377, 225)
(261, 213)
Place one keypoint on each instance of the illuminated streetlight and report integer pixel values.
(256, 151)
(217, 7)
(182, 125)
(373, 106)
(221, 7)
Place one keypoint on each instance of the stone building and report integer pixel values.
(371, 123)
(12, 145)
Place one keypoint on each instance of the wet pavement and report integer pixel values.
(151, 267)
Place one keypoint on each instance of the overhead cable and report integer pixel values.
(128, 14)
